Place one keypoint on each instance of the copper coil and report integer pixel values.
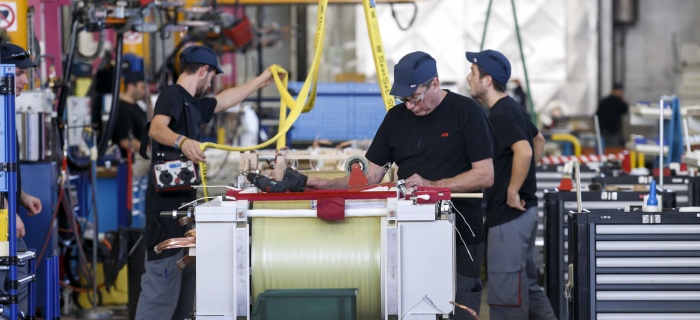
(192, 233)
(175, 243)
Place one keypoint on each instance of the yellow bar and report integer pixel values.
(221, 135)
(3, 225)
(569, 138)
(633, 159)
(640, 159)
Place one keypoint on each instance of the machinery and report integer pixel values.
(397, 250)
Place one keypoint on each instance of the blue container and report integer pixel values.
(343, 111)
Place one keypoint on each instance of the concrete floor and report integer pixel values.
(121, 313)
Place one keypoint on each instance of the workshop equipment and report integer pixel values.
(399, 252)
(293, 181)
(635, 265)
(557, 206)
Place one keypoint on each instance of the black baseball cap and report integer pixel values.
(14, 54)
(200, 54)
(134, 77)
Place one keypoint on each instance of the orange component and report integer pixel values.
(357, 177)
(566, 184)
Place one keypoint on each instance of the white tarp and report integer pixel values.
(559, 40)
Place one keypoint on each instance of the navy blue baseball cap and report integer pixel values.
(14, 54)
(134, 77)
(412, 70)
(200, 54)
(493, 62)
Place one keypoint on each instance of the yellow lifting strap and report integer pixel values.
(301, 104)
(296, 106)
(375, 41)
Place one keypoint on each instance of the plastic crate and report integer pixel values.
(306, 304)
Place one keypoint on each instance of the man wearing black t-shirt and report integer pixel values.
(131, 120)
(441, 139)
(511, 213)
(610, 112)
(166, 292)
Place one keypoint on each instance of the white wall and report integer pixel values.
(652, 65)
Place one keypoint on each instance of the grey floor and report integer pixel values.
(121, 313)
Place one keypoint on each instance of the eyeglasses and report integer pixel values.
(19, 56)
(416, 100)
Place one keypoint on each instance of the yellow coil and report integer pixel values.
(306, 253)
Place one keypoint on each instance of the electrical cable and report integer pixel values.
(460, 234)
(410, 23)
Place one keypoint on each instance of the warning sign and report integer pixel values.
(131, 37)
(8, 16)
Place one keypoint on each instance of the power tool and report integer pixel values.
(292, 180)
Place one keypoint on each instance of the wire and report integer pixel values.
(195, 200)
(460, 234)
(410, 22)
(464, 219)
(463, 307)
(174, 243)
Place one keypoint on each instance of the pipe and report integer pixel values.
(568, 138)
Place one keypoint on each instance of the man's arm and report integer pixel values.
(479, 177)
(522, 157)
(161, 133)
(374, 176)
(232, 96)
(538, 144)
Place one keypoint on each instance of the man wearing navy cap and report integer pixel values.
(13, 54)
(131, 119)
(166, 292)
(440, 139)
(511, 214)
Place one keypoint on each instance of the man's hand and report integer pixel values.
(316, 183)
(514, 201)
(19, 225)
(33, 204)
(415, 180)
(266, 77)
(190, 148)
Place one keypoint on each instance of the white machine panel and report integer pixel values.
(423, 272)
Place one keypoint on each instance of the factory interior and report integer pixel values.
(350, 159)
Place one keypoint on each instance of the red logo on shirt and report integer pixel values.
(445, 134)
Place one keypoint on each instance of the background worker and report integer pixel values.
(166, 292)
(440, 139)
(511, 217)
(13, 54)
(131, 121)
(610, 112)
